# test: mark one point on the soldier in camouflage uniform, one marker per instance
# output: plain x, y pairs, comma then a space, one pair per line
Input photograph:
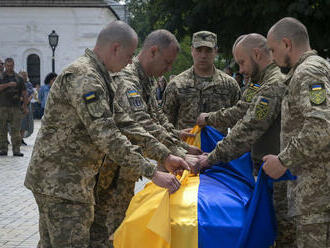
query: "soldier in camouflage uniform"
12, 89
305, 132
202, 88
77, 131
135, 99
135, 94
257, 119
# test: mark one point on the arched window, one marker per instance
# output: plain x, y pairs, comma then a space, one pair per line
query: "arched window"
33, 68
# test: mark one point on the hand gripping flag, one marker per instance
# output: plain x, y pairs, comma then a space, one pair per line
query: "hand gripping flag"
222, 208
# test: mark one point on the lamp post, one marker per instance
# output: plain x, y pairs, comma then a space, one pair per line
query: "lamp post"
53, 41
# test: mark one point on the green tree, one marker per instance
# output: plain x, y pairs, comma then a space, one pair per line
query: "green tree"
231, 18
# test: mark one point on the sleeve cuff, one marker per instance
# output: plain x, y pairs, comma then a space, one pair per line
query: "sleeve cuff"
211, 158
185, 145
286, 157
210, 119
178, 151
149, 170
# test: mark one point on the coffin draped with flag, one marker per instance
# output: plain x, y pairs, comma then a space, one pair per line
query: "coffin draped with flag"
223, 207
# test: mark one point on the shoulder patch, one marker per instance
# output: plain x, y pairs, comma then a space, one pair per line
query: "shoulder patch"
135, 100
317, 94
95, 107
262, 109
251, 91
90, 97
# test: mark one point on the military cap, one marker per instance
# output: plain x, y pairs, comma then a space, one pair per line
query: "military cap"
204, 38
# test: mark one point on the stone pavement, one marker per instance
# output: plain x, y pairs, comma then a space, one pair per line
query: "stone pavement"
18, 210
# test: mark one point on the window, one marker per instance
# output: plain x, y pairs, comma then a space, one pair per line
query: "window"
33, 68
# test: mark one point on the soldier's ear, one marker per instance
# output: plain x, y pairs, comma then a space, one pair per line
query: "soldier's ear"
114, 48
287, 43
153, 51
256, 54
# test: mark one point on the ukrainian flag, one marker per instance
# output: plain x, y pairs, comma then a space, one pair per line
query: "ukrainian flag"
222, 208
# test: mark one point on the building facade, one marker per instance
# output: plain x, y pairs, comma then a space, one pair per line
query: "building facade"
26, 24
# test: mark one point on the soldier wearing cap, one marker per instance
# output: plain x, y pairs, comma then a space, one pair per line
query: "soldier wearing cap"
202, 88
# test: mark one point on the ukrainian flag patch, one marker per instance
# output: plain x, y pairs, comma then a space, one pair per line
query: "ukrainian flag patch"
132, 93
262, 109
317, 93
90, 97
135, 100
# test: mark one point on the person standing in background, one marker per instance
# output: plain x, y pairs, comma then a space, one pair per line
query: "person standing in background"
12, 89
44, 90
27, 122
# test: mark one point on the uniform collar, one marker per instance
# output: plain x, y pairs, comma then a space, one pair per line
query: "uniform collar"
192, 78
100, 65
300, 61
144, 79
265, 72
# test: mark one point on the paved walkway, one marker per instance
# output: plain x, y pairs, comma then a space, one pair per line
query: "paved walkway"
18, 210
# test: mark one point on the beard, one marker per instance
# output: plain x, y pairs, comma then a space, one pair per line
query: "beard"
286, 68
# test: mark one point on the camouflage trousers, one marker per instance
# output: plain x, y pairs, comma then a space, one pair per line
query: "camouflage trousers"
114, 191
11, 116
286, 234
63, 223
313, 230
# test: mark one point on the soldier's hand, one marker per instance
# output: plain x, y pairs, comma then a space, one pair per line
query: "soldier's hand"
273, 166
185, 133
166, 180
201, 164
194, 150
12, 84
175, 164
192, 160
201, 119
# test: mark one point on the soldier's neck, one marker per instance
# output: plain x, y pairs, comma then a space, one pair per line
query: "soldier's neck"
204, 72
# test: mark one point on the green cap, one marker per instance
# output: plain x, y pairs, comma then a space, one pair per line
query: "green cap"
204, 38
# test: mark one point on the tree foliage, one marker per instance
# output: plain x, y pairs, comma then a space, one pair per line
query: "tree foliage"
230, 18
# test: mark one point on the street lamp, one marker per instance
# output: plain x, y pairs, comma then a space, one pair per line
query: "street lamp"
53, 41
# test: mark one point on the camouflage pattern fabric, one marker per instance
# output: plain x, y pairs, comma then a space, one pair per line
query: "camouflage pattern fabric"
227, 117
305, 135
135, 96
63, 223
204, 38
77, 131
286, 231
114, 190
313, 230
186, 96
12, 116
258, 130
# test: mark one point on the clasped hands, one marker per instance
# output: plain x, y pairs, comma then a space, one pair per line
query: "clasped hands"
176, 165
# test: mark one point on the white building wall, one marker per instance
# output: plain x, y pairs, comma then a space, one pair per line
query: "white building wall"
24, 31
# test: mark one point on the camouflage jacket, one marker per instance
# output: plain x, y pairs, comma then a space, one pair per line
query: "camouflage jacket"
259, 129
184, 98
77, 131
305, 135
135, 96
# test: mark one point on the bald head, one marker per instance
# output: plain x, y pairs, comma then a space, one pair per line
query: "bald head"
291, 29
116, 31
160, 38
252, 41
252, 55
237, 41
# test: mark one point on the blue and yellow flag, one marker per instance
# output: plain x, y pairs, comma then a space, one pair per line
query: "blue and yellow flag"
222, 208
